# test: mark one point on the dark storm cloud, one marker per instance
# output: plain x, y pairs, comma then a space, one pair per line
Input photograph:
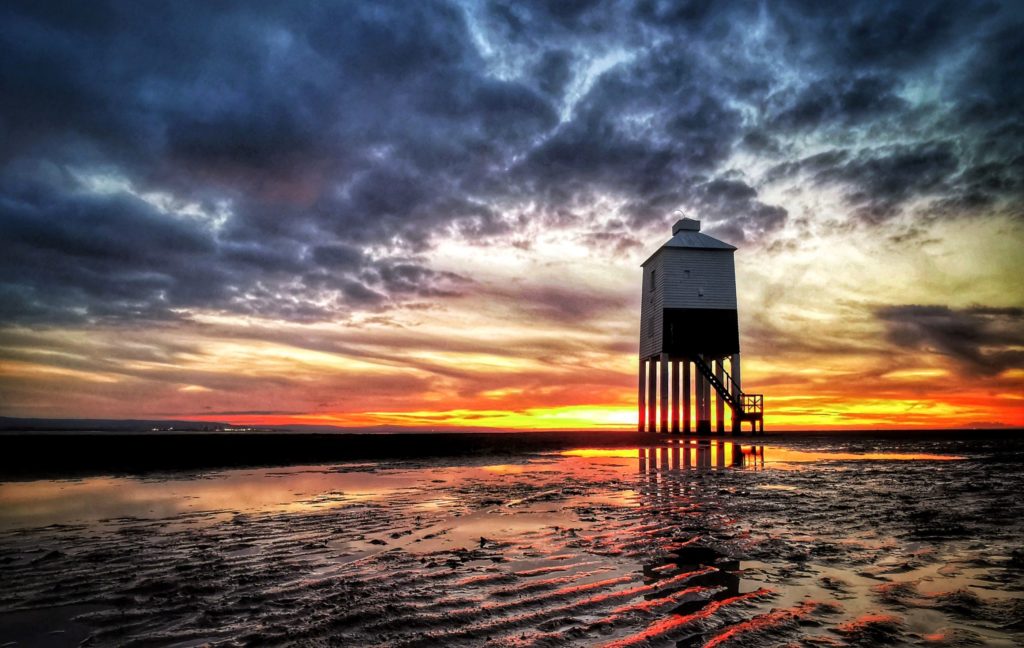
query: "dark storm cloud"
837, 103
292, 116
982, 340
734, 212
644, 131
881, 180
810, 165
79, 256
955, 152
878, 181
300, 160
989, 90
891, 36
554, 71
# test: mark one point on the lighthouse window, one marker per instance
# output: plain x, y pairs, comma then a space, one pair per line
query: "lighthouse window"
652, 280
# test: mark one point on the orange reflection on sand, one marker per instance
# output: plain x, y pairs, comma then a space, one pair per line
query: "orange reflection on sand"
589, 453
772, 619
663, 627
788, 455
704, 452
505, 469
283, 489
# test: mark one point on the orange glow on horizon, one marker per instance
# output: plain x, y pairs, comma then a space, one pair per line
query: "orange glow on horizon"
790, 415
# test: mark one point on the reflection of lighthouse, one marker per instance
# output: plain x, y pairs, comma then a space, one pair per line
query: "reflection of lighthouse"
700, 566
688, 318
699, 454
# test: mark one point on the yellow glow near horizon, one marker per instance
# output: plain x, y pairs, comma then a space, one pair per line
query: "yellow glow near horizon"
550, 418
913, 374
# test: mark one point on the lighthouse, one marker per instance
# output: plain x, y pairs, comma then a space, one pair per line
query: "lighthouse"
689, 339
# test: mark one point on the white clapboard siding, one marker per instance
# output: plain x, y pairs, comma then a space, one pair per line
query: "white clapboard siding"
651, 307
697, 278
701, 276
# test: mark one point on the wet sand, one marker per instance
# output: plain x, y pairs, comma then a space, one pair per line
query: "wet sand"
808, 541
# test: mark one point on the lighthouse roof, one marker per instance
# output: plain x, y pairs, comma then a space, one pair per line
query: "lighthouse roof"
686, 234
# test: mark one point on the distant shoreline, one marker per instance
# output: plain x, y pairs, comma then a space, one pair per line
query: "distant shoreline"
35, 455
16, 425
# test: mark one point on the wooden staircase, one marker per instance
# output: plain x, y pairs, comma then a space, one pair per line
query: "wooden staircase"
745, 407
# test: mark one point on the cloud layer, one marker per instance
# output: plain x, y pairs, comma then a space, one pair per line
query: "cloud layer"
314, 164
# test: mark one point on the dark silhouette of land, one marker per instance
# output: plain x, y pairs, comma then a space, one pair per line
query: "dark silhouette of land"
31, 455
63, 454
9, 423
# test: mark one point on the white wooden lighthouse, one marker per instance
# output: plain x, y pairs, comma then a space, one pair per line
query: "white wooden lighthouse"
689, 326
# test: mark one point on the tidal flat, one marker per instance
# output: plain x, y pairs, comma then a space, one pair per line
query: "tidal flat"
818, 541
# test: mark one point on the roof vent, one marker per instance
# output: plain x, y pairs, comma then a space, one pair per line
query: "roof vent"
686, 225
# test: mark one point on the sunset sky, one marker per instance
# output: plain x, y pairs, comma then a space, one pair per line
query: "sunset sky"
432, 214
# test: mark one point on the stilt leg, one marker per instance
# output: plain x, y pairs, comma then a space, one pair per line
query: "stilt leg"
703, 406
663, 406
687, 413
652, 394
734, 370
707, 407
737, 394
698, 401
719, 403
675, 397
641, 398
699, 394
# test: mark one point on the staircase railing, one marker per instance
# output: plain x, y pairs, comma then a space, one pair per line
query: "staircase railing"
753, 403
746, 404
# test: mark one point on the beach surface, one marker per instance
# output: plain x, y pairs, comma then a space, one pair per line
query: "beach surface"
815, 540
